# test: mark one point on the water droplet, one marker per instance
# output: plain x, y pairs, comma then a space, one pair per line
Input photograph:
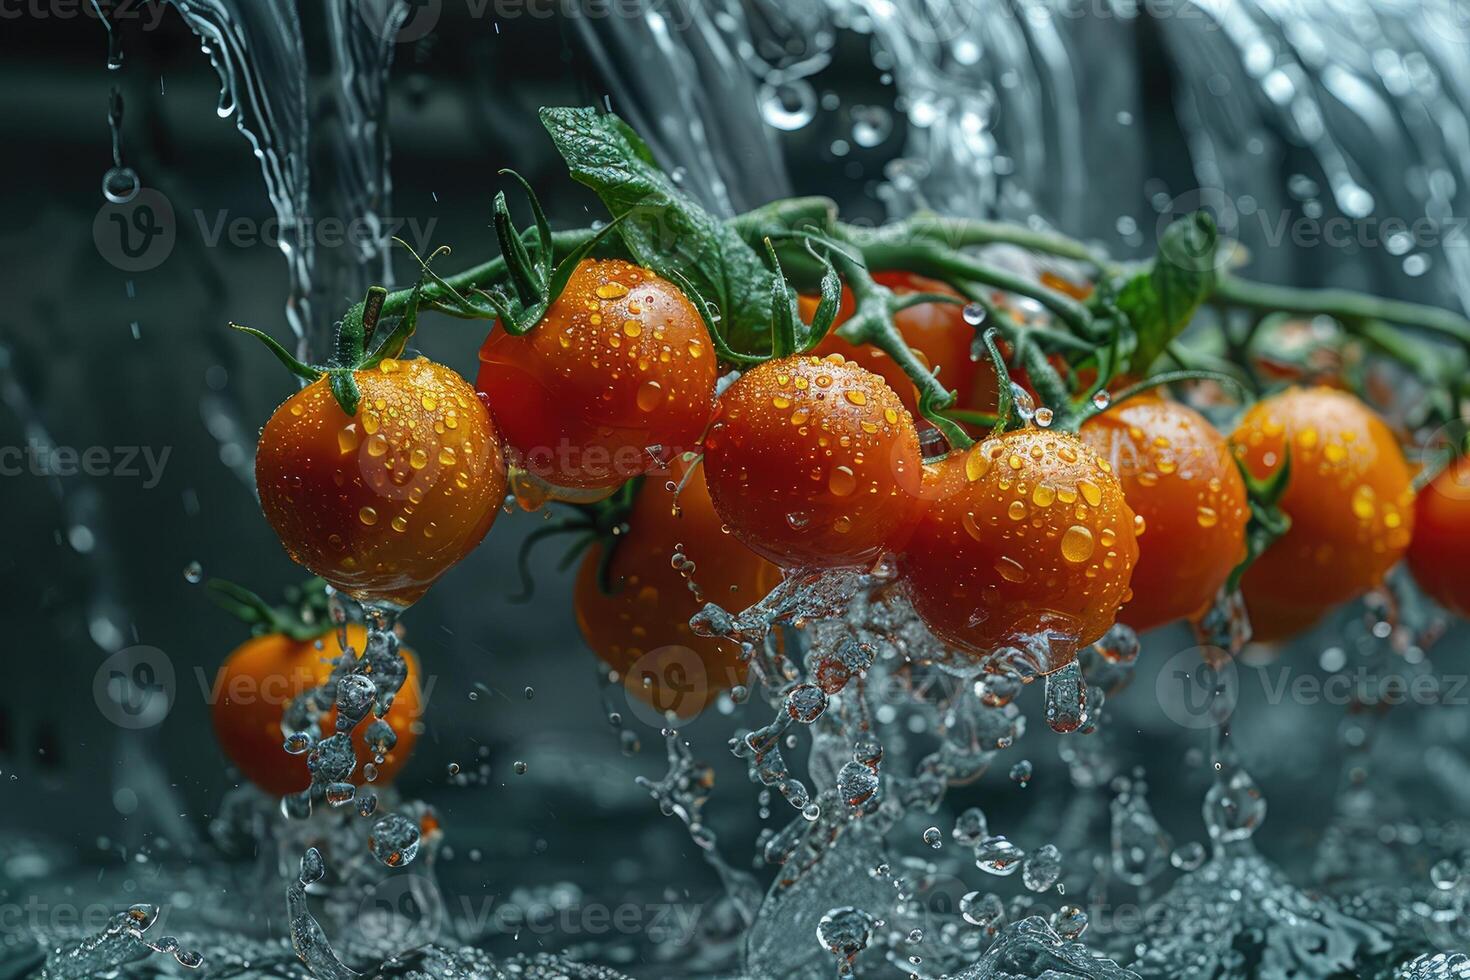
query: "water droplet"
368, 516
193, 573
650, 394
842, 482
1077, 544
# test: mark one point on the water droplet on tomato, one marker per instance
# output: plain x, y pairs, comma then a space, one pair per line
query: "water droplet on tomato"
1077, 544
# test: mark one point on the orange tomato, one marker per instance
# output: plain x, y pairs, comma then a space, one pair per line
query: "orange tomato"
1179, 477
1439, 553
813, 462
255, 685
1350, 499
1025, 536
382, 503
620, 365
641, 627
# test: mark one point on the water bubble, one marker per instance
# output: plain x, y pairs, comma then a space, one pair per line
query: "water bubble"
530, 693
1042, 868
394, 840
871, 125
856, 784
805, 703
1070, 922
986, 911
974, 314
998, 856
1021, 772
970, 827
1445, 874
1101, 399
788, 105
1188, 857
193, 573
1044, 416
120, 185
520, 768
934, 838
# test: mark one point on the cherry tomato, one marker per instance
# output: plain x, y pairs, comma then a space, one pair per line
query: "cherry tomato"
813, 462
641, 628
1439, 553
263, 675
936, 332
616, 379
1026, 536
1350, 499
382, 503
1179, 477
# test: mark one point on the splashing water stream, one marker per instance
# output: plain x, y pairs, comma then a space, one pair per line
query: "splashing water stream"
1004, 111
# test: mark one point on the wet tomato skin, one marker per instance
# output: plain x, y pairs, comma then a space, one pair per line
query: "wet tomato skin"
1350, 498
641, 628
813, 462
620, 363
1178, 475
1024, 534
1439, 552
258, 681
936, 332
382, 503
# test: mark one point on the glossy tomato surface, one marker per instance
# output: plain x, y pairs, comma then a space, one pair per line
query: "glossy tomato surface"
1350, 499
1179, 477
1026, 541
615, 381
380, 504
813, 462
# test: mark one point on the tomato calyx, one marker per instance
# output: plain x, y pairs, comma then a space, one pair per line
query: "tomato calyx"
358, 347
305, 616
1267, 521
535, 281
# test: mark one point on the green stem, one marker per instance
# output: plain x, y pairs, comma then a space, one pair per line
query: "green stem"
1349, 307
926, 258
962, 232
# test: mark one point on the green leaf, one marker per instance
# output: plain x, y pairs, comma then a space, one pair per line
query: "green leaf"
1161, 299
665, 229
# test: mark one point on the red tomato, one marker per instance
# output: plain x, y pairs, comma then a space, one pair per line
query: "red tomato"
616, 379
641, 628
1350, 499
1025, 536
1439, 553
382, 503
936, 332
813, 462
1179, 477
263, 675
